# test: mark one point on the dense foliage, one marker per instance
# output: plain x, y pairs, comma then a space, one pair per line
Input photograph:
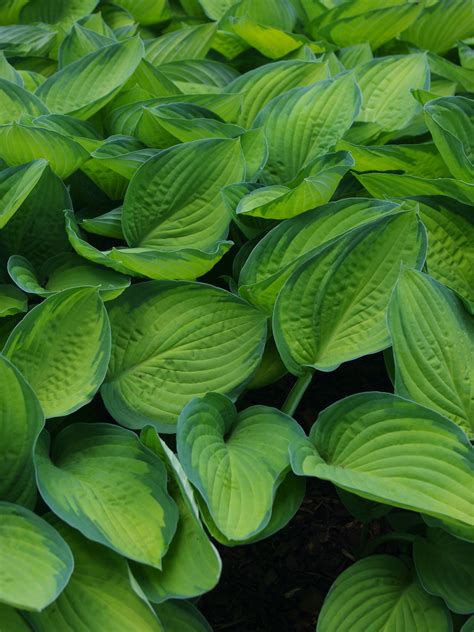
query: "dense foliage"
197, 198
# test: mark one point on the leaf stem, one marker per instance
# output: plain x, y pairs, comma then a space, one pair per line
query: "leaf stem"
388, 537
296, 393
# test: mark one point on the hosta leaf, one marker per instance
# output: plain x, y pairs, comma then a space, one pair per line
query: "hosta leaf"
181, 616
313, 186
108, 224
398, 186
79, 42
359, 21
16, 183
290, 243
451, 123
445, 68
21, 420
192, 565
36, 563
445, 566
66, 271
174, 198
10, 11
103, 482
433, 342
62, 347
381, 593
152, 80
261, 85
147, 11
153, 375
422, 160
15, 101
206, 72
36, 230
100, 594
23, 143
12, 301
18, 40
305, 123
278, 13
8, 72
386, 83
216, 445
385, 448
450, 257
355, 55
270, 369
216, 9
12, 620
268, 40
441, 25
65, 12
333, 307
168, 265
188, 43
85, 86
255, 150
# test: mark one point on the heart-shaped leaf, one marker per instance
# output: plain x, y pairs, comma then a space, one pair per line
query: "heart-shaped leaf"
226, 457
102, 481
433, 344
333, 307
151, 378
35, 562
62, 347
381, 593
385, 448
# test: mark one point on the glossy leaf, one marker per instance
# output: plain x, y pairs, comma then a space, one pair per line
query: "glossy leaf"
102, 481
36, 563
433, 341
62, 347
12, 301
153, 375
385, 448
181, 616
216, 445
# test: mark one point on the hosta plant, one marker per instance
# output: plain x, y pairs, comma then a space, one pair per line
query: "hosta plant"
197, 199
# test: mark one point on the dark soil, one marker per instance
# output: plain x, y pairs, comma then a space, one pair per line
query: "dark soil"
279, 584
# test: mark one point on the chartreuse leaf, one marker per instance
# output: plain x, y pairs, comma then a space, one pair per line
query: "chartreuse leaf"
400, 186
206, 73
441, 25
306, 122
66, 12
147, 11
293, 241
66, 271
35, 562
103, 482
333, 307
16, 183
278, 13
385, 448
312, 187
386, 83
433, 343
355, 55
108, 224
260, 85
181, 616
450, 257
174, 199
451, 123
464, 77
12, 300
216, 9
15, 102
20, 424
62, 347
422, 159
216, 445
37, 228
160, 359
85, 86
445, 566
188, 43
370, 21
268, 40
192, 565
381, 592
100, 594
20, 144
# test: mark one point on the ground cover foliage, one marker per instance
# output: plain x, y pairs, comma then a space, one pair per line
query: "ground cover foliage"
198, 198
